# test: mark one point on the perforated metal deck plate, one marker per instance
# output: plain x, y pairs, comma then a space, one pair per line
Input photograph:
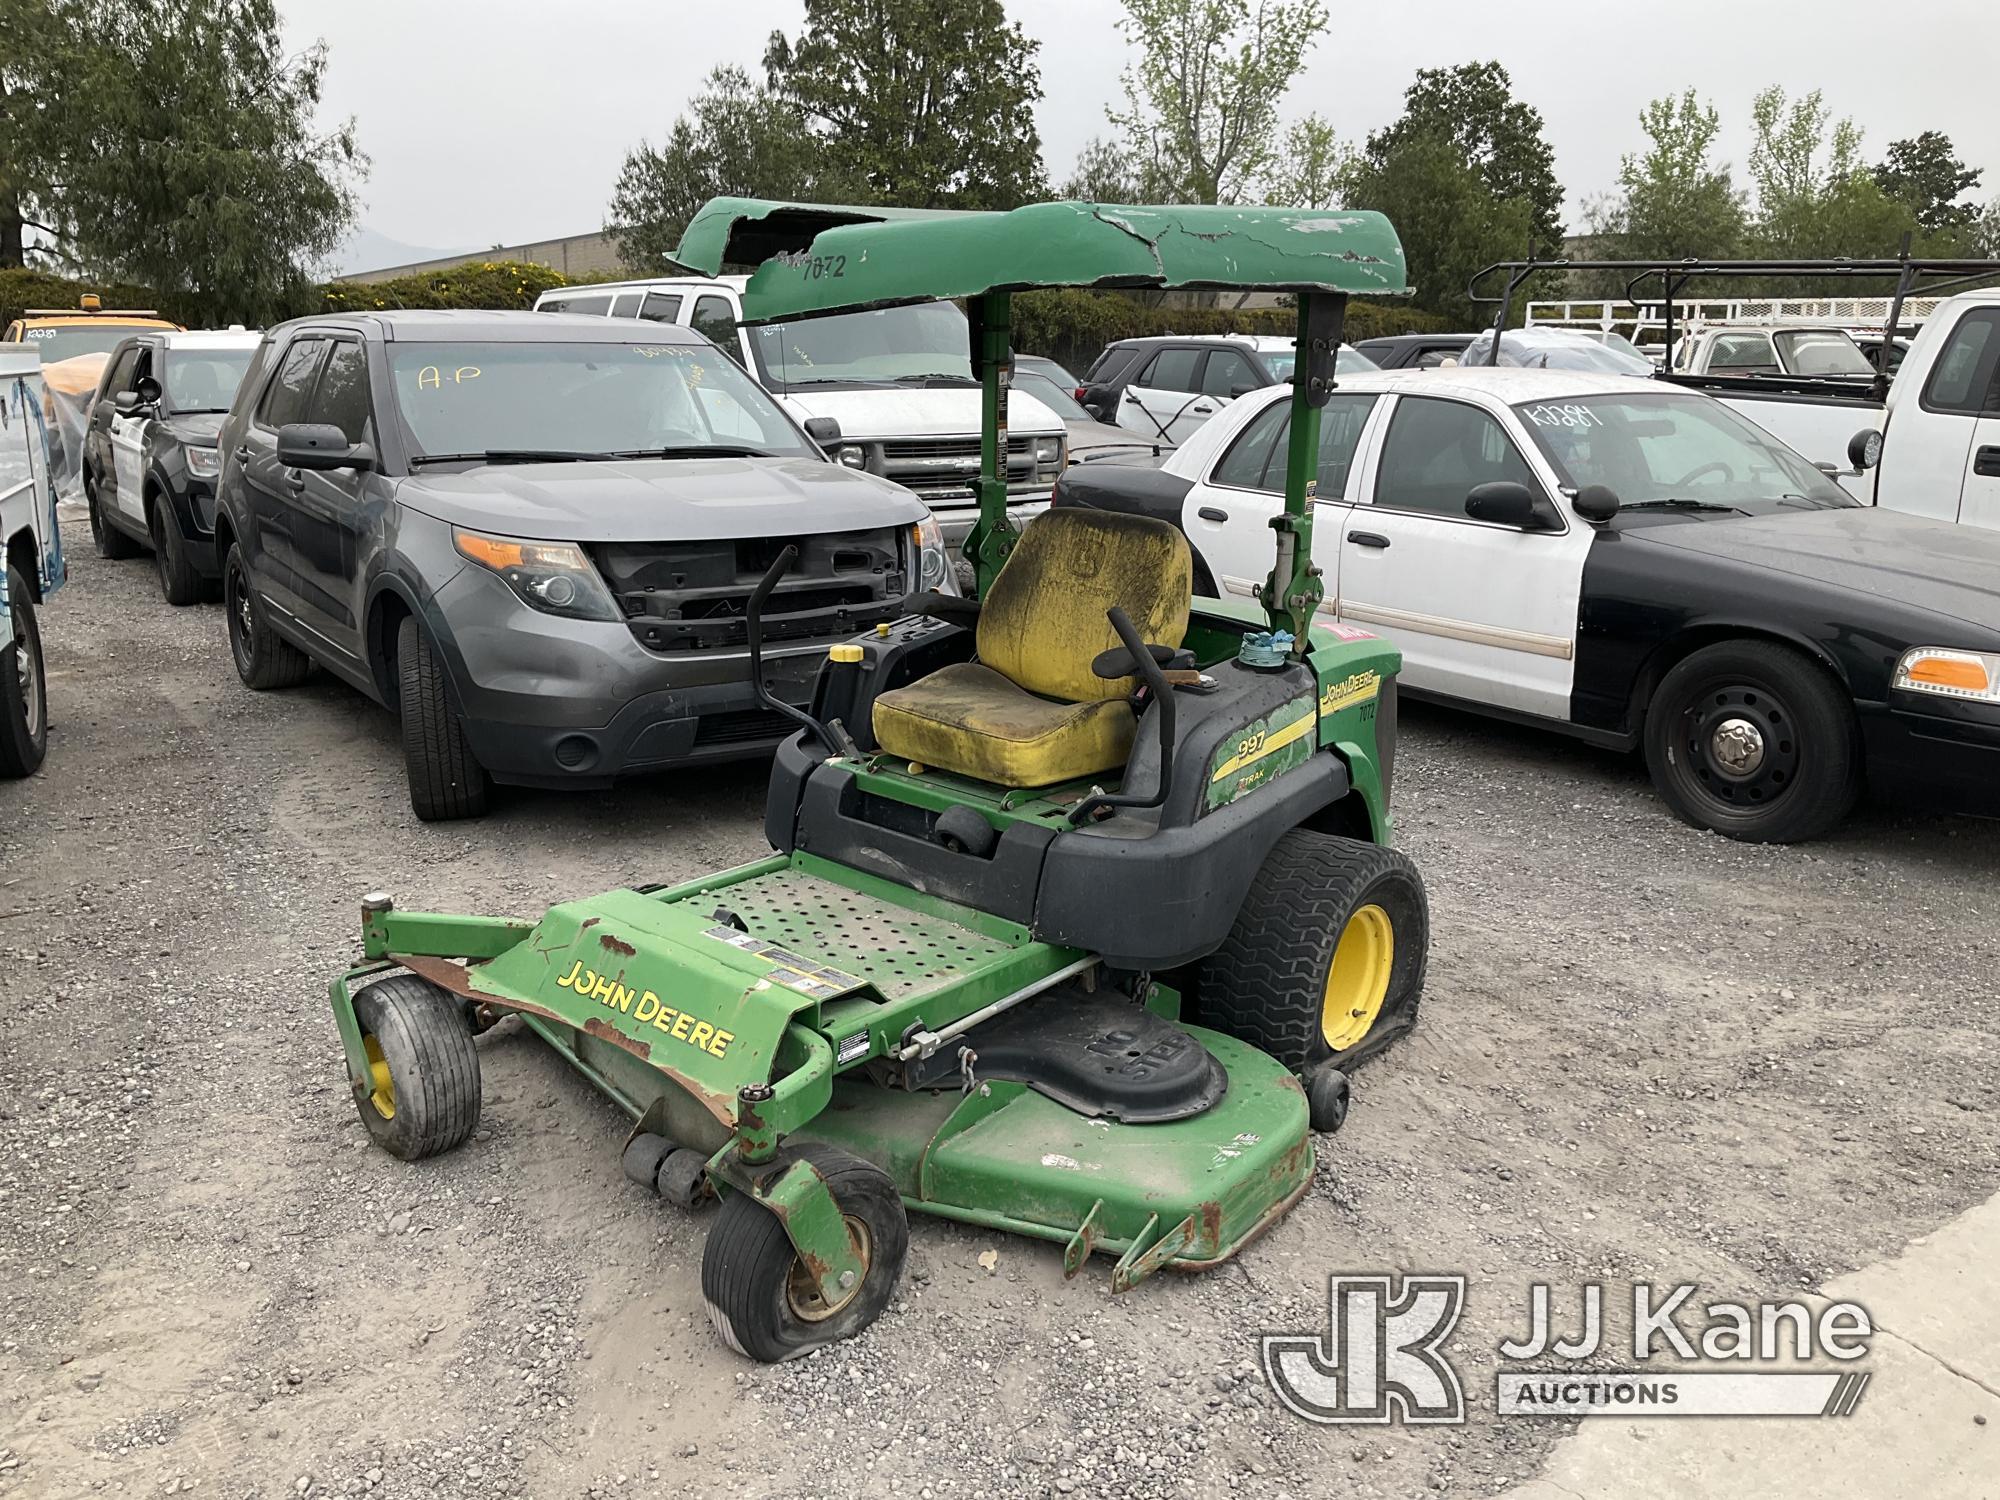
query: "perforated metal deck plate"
898, 950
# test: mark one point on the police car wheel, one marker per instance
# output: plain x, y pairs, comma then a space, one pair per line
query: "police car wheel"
760, 1298
421, 1095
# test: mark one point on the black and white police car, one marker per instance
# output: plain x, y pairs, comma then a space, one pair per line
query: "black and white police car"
1632, 563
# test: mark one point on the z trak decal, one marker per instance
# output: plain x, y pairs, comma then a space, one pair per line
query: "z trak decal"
1261, 750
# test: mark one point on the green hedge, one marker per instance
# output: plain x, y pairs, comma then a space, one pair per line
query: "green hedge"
479, 283
21, 290
1072, 327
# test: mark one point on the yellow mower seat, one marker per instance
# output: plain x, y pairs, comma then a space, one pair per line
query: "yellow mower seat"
1030, 712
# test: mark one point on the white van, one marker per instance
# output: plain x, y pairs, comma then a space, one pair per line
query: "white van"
897, 380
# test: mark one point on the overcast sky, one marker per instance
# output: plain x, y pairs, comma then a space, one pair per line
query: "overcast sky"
487, 124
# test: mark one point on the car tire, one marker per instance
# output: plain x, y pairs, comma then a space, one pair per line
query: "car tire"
180, 584
1324, 966
24, 694
423, 1068
1755, 741
109, 540
264, 659
445, 780
749, 1268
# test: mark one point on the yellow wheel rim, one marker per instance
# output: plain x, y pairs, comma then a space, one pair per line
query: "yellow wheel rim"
383, 1094
803, 1295
1357, 982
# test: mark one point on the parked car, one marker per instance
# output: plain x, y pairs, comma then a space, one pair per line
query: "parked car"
898, 381
31, 560
536, 535
1416, 351
1558, 349
70, 341
1631, 563
1090, 441
149, 454
1766, 349
1165, 387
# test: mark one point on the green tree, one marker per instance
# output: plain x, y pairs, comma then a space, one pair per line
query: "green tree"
1672, 199
174, 146
1201, 106
1925, 174
1310, 167
1815, 198
922, 103
1451, 221
1500, 137
1103, 173
737, 138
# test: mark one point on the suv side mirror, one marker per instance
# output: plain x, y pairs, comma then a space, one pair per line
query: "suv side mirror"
1241, 390
823, 430
1595, 503
1505, 502
1864, 449
321, 445
126, 403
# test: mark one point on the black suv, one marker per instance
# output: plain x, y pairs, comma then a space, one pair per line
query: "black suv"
149, 455
535, 534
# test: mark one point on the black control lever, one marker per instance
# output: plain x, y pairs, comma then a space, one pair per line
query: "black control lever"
1163, 696
753, 625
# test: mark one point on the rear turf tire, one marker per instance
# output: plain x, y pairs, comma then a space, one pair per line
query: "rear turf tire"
24, 694
750, 1272
1275, 983
445, 781
180, 584
108, 539
424, 1070
1795, 719
264, 659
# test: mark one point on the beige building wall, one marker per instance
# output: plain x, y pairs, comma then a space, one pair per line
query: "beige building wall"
574, 255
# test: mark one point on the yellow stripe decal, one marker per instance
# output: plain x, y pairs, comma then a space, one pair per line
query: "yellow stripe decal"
1277, 739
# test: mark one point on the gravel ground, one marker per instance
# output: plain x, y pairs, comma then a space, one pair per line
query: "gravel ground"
1646, 1053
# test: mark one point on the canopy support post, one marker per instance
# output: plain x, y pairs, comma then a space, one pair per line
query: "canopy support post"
993, 536
1291, 595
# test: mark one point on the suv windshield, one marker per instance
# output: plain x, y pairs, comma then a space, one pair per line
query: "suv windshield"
1823, 352
590, 400
1666, 450
1055, 397
204, 379
921, 344
1346, 361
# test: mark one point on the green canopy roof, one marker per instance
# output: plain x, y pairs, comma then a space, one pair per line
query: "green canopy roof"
825, 258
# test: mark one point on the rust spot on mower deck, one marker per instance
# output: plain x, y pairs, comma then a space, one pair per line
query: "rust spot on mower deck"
618, 945
604, 1031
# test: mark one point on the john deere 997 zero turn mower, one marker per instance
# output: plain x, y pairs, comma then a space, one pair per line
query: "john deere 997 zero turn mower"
1080, 905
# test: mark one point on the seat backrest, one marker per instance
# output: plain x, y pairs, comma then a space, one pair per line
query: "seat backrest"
1043, 621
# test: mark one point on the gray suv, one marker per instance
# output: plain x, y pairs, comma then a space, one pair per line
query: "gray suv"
534, 537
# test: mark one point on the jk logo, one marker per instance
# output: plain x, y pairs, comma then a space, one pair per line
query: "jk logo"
1378, 1360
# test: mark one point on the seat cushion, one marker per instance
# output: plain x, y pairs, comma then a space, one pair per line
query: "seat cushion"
969, 719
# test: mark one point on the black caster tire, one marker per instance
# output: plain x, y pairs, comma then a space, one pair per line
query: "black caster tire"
423, 1068
758, 1296
642, 1158
1325, 964
963, 831
446, 782
110, 542
264, 659
1754, 741
180, 584
24, 692
683, 1178
1327, 1098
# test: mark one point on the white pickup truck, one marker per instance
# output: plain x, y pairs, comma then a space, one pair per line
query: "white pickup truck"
31, 562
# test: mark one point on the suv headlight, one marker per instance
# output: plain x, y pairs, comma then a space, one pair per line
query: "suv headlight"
1048, 457
554, 577
1949, 673
203, 463
934, 570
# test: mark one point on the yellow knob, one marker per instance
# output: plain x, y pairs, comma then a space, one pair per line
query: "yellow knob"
846, 651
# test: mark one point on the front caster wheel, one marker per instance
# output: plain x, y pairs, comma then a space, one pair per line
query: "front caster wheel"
760, 1297
423, 1071
1327, 1096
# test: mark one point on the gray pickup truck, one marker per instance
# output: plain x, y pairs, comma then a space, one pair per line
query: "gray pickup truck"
536, 535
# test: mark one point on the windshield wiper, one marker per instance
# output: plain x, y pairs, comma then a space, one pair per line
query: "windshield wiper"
696, 450
935, 379
512, 456
1681, 502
